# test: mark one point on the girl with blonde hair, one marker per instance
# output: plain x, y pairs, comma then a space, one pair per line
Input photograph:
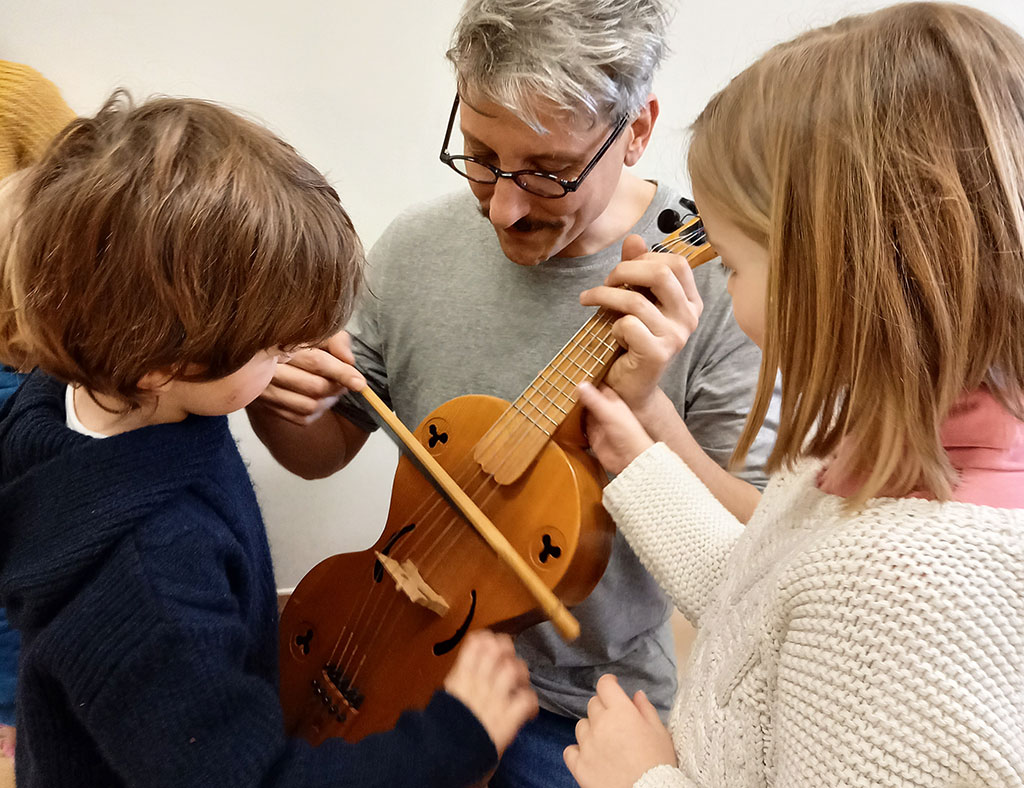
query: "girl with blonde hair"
864, 185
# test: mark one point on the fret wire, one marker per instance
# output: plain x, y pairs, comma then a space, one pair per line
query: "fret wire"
551, 383
535, 424
572, 379
565, 394
507, 424
510, 425
529, 398
540, 391
575, 363
584, 348
590, 371
592, 355
554, 367
533, 405
525, 397
557, 385
604, 354
537, 388
577, 349
577, 378
564, 356
601, 341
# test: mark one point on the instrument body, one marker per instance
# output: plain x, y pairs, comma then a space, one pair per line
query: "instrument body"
353, 641
368, 635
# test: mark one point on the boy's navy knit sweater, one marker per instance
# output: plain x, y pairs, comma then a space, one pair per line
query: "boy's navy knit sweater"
138, 571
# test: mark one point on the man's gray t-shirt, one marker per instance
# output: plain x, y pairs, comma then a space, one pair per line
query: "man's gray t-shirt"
447, 314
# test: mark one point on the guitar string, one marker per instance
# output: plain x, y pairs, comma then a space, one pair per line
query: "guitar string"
587, 350
432, 553
455, 516
510, 419
599, 360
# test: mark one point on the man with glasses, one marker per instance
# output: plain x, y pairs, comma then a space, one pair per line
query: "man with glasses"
476, 292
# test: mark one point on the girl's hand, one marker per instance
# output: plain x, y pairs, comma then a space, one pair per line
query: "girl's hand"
654, 327
494, 684
619, 741
616, 436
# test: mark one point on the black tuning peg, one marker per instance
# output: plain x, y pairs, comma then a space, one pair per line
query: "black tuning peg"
669, 221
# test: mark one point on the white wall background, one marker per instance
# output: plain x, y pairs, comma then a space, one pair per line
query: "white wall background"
361, 88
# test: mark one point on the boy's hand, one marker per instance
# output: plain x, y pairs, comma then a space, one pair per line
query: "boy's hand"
619, 741
616, 436
651, 331
494, 684
312, 381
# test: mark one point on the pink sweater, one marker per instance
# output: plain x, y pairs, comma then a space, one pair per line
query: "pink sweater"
986, 446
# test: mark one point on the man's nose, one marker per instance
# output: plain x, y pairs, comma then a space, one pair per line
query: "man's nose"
508, 203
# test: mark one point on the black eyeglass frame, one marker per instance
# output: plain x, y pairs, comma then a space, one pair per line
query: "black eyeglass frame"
567, 185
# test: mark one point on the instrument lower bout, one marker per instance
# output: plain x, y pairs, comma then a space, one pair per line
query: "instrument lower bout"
367, 635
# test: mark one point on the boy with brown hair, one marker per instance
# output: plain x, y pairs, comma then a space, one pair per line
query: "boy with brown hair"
161, 259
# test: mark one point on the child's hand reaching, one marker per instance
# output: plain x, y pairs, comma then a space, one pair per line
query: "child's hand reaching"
494, 684
619, 741
616, 436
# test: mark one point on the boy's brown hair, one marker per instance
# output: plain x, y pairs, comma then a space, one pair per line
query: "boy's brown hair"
167, 235
881, 163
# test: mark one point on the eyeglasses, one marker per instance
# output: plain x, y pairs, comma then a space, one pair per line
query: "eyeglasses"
543, 184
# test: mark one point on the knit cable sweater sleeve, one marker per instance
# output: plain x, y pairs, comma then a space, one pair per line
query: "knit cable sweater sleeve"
677, 528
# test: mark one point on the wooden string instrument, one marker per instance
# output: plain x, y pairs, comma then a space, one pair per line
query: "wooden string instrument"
370, 634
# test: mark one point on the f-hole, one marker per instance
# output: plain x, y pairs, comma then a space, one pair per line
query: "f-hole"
378, 567
442, 648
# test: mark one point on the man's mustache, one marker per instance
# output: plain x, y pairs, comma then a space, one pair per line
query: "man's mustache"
523, 225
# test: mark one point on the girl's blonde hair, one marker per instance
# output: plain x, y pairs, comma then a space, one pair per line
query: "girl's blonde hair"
881, 162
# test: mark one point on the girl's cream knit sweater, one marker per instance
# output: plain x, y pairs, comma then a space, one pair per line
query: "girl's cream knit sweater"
881, 648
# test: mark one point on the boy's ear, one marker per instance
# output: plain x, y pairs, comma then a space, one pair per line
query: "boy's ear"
160, 380
156, 382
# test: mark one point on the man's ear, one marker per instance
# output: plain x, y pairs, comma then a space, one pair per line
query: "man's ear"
641, 128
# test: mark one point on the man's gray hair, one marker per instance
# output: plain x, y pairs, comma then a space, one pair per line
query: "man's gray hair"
593, 59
